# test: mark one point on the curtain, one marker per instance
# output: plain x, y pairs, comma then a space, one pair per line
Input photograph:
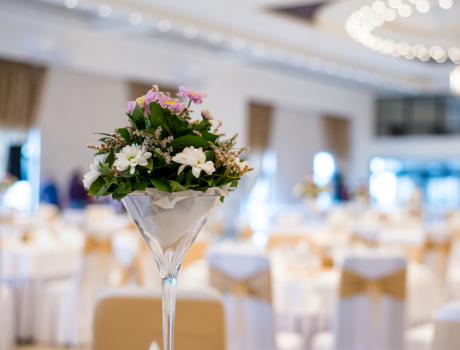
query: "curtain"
337, 132
21, 87
260, 123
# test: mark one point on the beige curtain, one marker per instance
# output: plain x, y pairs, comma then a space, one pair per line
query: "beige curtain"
260, 123
337, 131
21, 87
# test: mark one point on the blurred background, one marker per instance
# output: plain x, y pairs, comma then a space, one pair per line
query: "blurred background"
351, 109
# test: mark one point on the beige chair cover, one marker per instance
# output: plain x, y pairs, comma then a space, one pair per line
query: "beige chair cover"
133, 322
447, 328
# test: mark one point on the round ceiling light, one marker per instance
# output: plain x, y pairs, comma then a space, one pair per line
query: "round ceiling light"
455, 81
361, 24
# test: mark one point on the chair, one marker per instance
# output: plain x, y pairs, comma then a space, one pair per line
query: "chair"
7, 333
243, 278
370, 310
133, 320
67, 306
447, 328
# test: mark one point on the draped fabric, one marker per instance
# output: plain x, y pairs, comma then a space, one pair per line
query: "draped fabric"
260, 124
21, 87
337, 132
133, 322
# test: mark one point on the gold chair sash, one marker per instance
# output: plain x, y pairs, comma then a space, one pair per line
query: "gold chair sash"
277, 241
94, 245
196, 253
446, 336
442, 249
135, 271
392, 285
256, 286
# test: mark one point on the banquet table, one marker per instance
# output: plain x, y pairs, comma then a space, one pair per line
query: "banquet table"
27, 266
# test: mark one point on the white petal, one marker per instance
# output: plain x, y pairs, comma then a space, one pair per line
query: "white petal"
181, 169
196, 171
133, 169
208, 167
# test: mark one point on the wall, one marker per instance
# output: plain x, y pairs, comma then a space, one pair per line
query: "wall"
74, 107
294, 145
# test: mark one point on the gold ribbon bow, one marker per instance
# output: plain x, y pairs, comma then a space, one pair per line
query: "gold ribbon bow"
442, 249
392, 285
256, 286
94, 245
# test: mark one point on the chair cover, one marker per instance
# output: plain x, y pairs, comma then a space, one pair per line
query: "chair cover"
132, 320
7, 333
447, 328
370, 310
248, 308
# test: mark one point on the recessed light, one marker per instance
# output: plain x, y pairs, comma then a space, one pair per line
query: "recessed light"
164, 25
71, 4
105, 10
215, 38
190, 32
136, 18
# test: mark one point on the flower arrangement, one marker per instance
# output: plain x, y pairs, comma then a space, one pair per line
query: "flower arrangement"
308, 189
166, 148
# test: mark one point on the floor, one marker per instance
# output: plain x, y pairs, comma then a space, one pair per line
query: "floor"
42, 348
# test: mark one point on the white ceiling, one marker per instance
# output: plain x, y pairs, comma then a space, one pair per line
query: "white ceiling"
248, 28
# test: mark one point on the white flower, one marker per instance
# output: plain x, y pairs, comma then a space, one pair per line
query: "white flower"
130, 157
93, 172
196, 158
242, 165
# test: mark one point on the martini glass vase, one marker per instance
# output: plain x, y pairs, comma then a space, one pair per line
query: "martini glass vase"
170, 223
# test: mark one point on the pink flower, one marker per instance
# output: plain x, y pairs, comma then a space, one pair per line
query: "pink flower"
194, 96
131, 106
152, 96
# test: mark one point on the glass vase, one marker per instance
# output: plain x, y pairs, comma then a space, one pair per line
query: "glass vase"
170, 223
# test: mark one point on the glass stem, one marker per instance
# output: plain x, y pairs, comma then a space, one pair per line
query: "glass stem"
169, 310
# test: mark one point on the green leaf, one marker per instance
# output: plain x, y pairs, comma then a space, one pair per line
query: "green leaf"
208, 136
176, 186
137, 117
150, 164
158, 118
188, 141
104, 189
140, 185
110, 158
161, 185
125, 134
95, 186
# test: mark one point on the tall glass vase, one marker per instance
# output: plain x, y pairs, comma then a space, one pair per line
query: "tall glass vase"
170, 223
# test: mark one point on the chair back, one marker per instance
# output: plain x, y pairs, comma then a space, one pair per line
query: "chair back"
133, 320
447, 328
370, 308
243, 278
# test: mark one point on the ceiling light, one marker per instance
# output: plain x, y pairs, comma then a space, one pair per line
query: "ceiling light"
190, 32
105, 10
238, 44
164, 25
135, 18
455, 81
446, 4
215, 38
71, 4
361, 25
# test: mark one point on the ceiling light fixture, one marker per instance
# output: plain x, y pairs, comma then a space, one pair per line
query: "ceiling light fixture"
164, 25
71, 4
455, 82
105, 10
135, 18
361, 24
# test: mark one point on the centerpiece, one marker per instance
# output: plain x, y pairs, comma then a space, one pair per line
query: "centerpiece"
309, 191
170, 169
